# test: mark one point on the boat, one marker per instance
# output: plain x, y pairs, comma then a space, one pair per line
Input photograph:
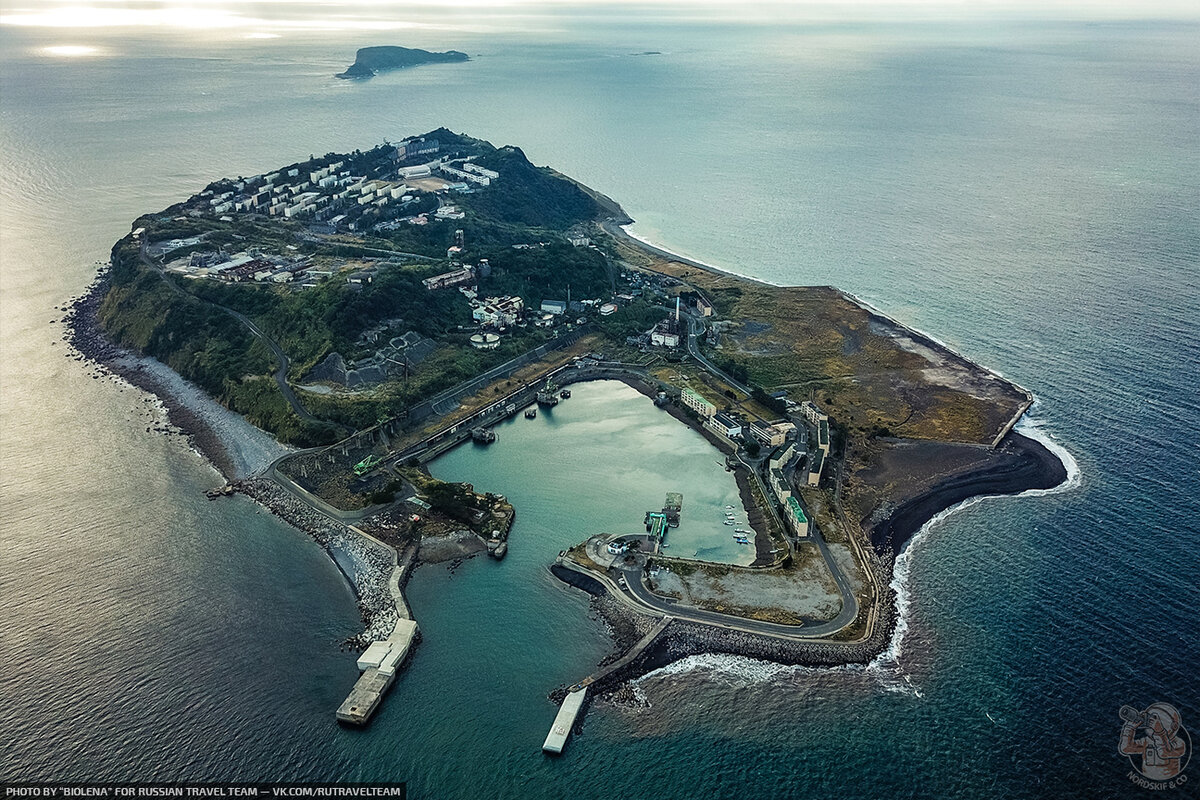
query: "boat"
728, 522
728, 508
565, 394
743, 541
530, 412
742, 531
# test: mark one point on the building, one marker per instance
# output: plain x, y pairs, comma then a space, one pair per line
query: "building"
697, 403
607, 309
769, 435
811, 413
412, 148
781, 460
456, 277
420, 171
485, 341
779, 486
815, 466
793, 514
554, 306
579, 241
469, 177
478, 170
661, 337
499, 311
703, 307
725, 425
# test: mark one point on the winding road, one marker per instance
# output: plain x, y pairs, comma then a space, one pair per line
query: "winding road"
285, 388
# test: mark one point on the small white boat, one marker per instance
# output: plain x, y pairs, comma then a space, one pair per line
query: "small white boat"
728, 522
729, 508
741, 530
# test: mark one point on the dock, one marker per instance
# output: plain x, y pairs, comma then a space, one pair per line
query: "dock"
568, 712
556, 740
380, 663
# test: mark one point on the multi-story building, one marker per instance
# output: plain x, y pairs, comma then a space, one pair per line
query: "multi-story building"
795, 518
725, 425
769, 435
695, 402
454, 278
815, 466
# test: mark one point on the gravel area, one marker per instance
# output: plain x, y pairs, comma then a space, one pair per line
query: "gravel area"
808, 591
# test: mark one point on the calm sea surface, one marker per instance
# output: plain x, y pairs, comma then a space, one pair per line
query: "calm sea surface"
1026, 192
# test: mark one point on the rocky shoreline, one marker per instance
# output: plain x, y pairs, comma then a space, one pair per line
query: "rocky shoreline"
369, 564
1021, 464
232, 445
238, 450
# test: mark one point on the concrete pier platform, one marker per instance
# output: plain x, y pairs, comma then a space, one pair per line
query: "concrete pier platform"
556, 740
380, 664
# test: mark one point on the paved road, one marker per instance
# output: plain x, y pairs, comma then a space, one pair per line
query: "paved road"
640, 599
285, 388
695, 327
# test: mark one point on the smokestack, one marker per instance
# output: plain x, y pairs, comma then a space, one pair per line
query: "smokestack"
677, 308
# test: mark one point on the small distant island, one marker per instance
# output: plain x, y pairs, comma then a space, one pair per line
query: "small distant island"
370, 60
375, 309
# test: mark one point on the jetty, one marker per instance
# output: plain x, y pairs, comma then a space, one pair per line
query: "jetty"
379, 664
382, 659
572, 704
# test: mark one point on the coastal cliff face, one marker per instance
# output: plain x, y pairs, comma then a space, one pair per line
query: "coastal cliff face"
370, 60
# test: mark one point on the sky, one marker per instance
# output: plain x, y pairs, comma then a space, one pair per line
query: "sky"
390, 14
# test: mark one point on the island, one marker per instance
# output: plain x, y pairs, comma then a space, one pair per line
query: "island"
370, 60
373, 310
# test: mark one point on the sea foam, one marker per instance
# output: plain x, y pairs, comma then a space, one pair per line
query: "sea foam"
885, 669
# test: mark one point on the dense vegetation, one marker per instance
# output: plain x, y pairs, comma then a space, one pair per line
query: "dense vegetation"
184, 322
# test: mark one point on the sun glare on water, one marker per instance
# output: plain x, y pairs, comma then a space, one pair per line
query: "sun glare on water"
71, 50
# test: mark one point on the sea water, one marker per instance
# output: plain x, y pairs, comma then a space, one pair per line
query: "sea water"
1023, 189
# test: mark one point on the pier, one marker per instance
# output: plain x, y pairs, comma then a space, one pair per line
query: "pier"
556, 740
381, 661
572, 704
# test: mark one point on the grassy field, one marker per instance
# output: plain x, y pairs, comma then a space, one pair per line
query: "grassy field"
869, 374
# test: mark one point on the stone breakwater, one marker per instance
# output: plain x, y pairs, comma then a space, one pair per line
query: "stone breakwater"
366, 564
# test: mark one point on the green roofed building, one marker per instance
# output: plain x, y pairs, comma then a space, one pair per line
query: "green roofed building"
697, 403
795, 517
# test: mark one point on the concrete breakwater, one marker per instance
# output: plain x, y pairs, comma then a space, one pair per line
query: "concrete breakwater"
378, 572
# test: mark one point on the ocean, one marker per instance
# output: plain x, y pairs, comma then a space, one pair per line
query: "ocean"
1021, 187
